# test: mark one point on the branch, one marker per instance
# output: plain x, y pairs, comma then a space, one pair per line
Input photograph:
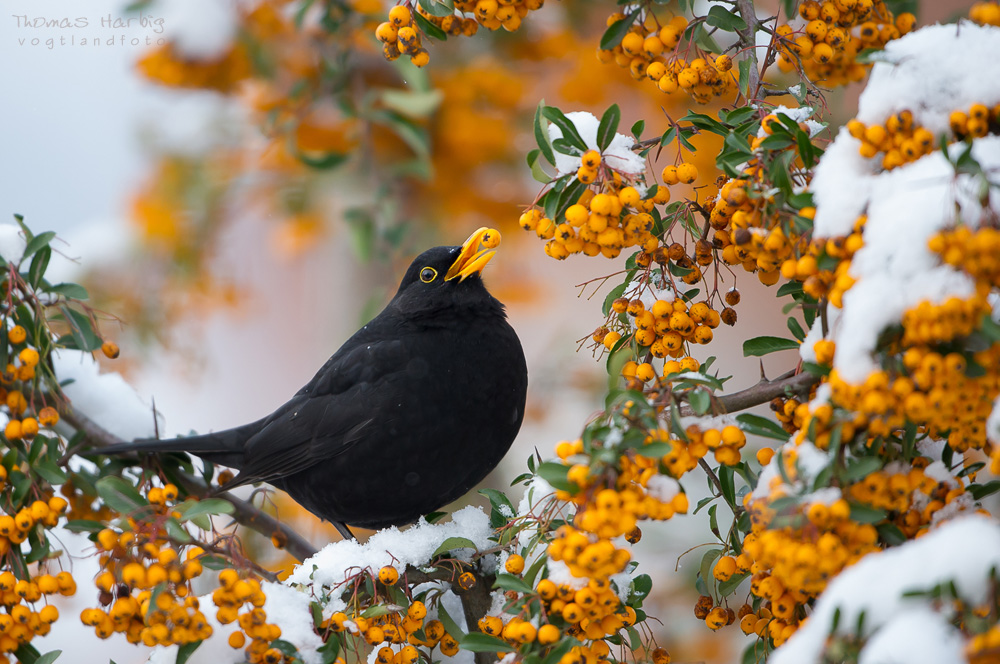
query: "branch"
762, 392
245, 513
476, 601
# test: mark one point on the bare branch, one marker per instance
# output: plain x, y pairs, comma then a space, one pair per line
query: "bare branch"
762, 392
245, 513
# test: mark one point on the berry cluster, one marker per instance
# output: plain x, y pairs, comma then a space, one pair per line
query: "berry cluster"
24, 619
654, 55
145, 585
242, 601
899, 141
835, 31
604, 222
402, 35
590, 612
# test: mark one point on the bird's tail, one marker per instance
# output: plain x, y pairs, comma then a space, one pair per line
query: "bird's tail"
222, 447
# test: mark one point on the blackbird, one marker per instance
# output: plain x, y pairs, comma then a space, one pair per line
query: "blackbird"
415, 409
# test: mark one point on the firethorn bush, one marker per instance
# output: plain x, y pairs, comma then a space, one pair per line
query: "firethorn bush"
851, 499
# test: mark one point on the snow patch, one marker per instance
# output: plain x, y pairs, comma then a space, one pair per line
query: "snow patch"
391, 547
618, 155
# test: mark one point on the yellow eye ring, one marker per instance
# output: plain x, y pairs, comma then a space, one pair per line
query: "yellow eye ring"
428, 274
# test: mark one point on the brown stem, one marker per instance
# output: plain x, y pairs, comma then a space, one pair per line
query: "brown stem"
245, 513
762, 392
476, 601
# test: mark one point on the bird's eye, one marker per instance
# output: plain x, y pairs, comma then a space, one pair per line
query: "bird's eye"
428, 274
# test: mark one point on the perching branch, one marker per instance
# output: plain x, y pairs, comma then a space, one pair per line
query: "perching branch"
762, 392
245, 513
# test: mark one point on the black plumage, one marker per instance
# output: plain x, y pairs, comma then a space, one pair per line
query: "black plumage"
415, 409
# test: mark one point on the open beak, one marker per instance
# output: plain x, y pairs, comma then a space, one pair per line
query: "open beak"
471, 260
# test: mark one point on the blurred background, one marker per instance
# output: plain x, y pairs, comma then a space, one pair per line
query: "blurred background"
240, 192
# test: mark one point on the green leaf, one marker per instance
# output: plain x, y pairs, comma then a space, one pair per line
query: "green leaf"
727, 482
706, 122
324, 162
429, 28
555, 474
700, 401
713, 520
36, 243
82, 329
866, 514
990, 328
48, 469
411, 103
84, 526
642, 585
796, 329
479, 642
862, 468
890, 534
535, 164
21, 483
980, 491
38, 266
377, 610
501, 510
777, 141
615, 293
608, 126
561, 649
450, 625
74, 291
563, 146
27, 654
119, 495
185, 651
707, 560
761, 426
207, 506
744, 77
439, 9
453, 543
638, 127
760, 346
542, 136
729, 585
511, 582
176, 531
330, 651
568, 129
617, 31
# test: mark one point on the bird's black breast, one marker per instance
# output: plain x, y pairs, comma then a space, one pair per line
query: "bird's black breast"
428, 410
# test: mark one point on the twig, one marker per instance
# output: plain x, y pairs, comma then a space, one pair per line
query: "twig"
245, 513
762, 392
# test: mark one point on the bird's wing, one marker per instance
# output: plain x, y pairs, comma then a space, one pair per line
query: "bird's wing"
329, 415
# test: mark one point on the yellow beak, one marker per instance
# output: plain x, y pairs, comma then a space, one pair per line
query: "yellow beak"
471, 260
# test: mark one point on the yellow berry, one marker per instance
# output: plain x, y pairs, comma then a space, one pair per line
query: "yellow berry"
388, 575
514, 564
687, 173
